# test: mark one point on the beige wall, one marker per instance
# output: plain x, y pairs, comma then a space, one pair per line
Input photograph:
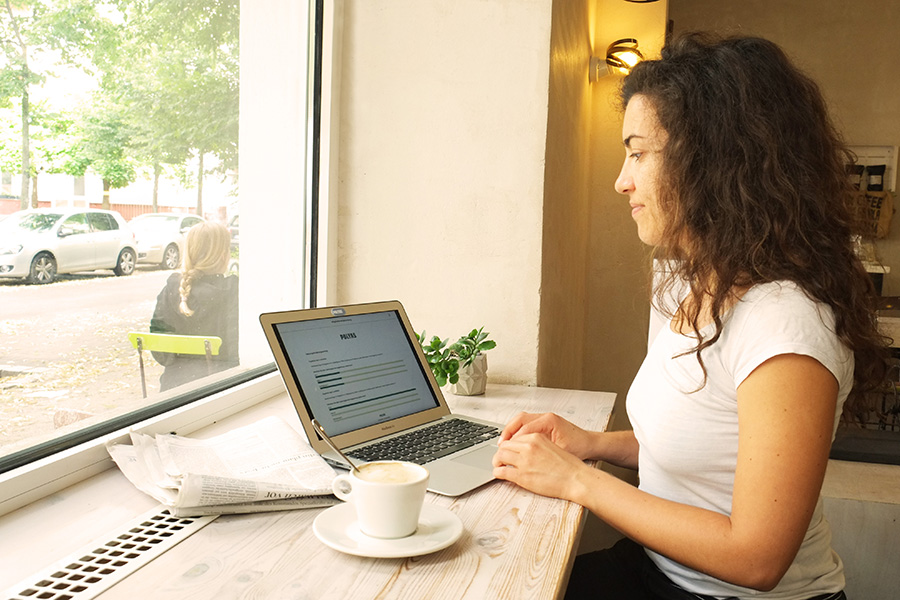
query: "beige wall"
852, 49
566, 199
443, 120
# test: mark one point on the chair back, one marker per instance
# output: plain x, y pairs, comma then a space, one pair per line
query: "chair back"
175, 344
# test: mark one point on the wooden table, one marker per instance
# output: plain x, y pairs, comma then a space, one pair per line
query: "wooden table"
515, 545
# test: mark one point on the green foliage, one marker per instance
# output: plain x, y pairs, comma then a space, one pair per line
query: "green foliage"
469, 346
101, 140
179, 80
446, 361
168, 74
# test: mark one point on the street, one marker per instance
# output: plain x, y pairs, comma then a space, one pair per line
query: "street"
63, 346
78, 291
39, 314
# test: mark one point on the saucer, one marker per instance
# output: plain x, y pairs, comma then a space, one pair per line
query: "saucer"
338, 528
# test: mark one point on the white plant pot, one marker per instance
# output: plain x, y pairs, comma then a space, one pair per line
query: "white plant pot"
472, 378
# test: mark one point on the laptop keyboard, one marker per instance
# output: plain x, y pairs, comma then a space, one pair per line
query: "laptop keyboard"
429, 443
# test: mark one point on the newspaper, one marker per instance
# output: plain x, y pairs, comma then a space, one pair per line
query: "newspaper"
261, 467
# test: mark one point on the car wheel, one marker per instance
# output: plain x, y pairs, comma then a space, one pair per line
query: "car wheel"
43, 268
171, 257
125, 266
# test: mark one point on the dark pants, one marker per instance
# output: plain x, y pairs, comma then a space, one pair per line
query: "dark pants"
625, 572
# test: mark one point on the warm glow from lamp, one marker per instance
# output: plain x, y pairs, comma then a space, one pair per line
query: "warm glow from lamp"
621, 56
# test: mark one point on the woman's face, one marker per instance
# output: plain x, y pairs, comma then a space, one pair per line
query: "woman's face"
644, 140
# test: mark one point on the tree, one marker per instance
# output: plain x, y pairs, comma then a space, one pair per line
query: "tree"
178, 87
168, 74
101, 141
16, 78
36, 35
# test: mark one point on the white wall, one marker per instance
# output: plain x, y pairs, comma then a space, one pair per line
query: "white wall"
443, 115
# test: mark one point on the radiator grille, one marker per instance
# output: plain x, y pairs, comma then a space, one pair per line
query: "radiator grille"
97, 567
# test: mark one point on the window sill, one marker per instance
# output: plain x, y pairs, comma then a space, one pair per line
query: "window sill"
56, 508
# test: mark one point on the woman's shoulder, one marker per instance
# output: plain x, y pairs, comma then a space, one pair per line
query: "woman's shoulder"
781, 318
785, 299
784, 304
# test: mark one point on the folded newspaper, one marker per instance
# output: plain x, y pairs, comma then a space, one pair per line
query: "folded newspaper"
261, 467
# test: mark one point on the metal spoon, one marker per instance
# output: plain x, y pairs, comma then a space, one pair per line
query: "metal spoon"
328, 441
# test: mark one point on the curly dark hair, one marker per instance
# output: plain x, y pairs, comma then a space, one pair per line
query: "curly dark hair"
754, 175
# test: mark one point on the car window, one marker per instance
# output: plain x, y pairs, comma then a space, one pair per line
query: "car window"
189, 222
103, 222
76, 224
37, 221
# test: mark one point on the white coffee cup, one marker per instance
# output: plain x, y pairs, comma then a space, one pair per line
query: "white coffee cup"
387, 495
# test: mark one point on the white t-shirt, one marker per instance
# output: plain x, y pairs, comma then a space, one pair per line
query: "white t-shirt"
688, 441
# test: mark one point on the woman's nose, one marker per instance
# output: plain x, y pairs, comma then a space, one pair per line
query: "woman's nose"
624, 182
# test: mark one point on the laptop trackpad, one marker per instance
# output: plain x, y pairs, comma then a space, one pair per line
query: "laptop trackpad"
480, 458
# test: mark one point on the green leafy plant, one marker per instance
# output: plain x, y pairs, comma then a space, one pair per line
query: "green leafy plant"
446, 361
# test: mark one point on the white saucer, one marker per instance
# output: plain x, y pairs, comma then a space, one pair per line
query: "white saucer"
337, 528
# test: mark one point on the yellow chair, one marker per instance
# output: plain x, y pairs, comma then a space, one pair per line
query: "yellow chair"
175, 344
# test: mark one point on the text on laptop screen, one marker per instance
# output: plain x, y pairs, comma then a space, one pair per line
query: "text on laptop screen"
355, 371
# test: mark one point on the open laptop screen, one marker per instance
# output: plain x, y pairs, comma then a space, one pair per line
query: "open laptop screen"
354, 371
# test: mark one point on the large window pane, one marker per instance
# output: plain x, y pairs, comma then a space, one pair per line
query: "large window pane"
135, 104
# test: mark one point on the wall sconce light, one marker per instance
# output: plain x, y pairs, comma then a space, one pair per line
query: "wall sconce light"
621, 56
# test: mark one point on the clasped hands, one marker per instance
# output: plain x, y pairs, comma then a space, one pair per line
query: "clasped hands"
542, 453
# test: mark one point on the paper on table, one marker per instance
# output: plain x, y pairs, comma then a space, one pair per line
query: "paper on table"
263, 462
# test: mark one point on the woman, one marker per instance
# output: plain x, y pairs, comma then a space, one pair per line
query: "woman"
736, 176
199, 300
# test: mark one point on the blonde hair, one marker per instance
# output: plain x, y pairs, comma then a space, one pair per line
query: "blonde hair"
207, 248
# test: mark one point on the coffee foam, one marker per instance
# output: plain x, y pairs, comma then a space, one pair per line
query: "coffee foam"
390, 472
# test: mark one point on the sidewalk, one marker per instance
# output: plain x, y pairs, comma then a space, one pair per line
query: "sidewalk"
94, 370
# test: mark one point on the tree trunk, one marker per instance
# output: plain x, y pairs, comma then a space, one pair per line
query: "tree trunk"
34, 192
200, 186
157, 170
26, 145
105, 203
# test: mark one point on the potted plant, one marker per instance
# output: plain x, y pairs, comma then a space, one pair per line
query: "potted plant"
462, 364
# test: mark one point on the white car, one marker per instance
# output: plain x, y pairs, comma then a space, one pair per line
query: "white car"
39, 244
160, 237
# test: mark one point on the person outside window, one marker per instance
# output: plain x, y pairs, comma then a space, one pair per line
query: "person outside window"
737, 178
199, 300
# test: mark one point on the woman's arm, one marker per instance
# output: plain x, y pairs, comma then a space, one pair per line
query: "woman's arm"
786, 413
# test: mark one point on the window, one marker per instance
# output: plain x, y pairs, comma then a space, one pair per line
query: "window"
102, 222
75, 225
68, 372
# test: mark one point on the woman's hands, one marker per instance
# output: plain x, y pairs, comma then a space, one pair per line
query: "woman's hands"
542, 453
535, 463
562, 433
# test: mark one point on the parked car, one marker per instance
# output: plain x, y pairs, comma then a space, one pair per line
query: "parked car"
160, 237
39, 244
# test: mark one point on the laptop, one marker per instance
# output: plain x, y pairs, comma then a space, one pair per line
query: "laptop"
360, 372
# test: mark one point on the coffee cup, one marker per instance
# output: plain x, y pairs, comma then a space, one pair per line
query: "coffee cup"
387, 496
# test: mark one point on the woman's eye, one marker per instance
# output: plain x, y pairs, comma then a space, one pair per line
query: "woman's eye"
635, 155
